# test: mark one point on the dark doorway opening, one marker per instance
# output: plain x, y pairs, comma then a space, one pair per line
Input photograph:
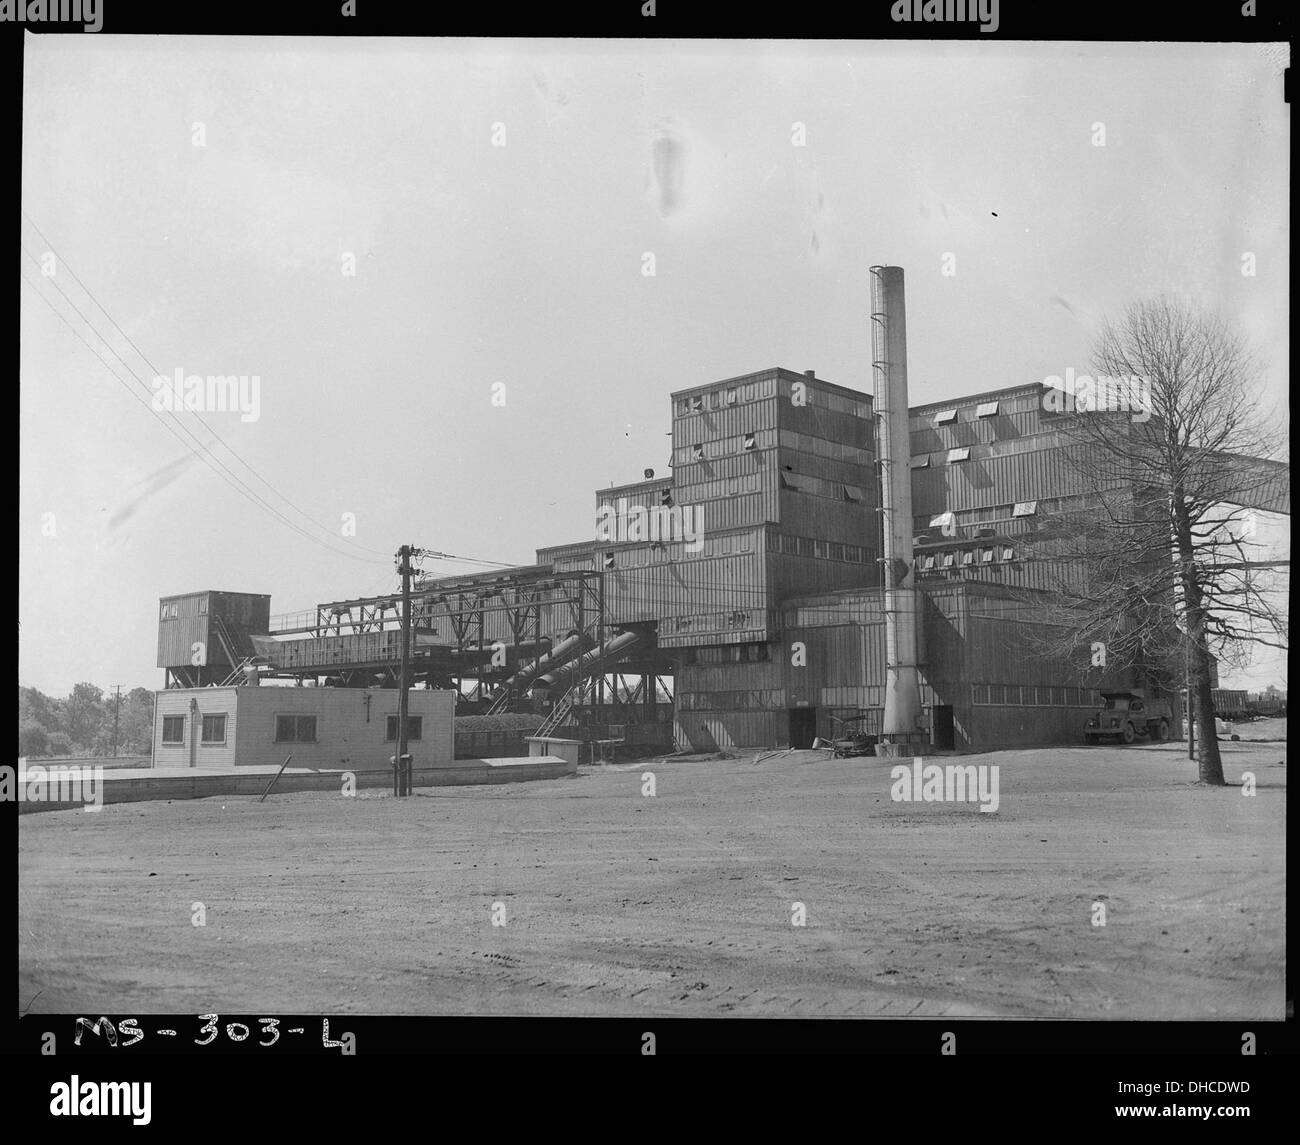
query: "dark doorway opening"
944, 732
803, 727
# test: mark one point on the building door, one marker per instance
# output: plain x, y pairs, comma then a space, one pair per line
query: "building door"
803, 727
944, 732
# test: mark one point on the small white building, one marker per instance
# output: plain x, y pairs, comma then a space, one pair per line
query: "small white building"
226, 728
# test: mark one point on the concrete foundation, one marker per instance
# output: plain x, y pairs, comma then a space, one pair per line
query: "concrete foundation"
137, 785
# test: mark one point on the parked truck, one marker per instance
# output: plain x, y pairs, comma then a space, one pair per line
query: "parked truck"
1127, 715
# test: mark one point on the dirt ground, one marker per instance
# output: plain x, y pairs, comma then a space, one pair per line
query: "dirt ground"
682, 903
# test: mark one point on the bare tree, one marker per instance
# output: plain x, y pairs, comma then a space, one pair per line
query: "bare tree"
1152, 565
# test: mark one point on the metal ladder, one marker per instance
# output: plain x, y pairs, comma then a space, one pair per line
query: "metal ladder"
503, 700
560, 712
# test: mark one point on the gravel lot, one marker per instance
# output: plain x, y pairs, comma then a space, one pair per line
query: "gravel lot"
681, 903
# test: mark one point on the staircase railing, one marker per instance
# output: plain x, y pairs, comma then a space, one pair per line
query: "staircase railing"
560, 712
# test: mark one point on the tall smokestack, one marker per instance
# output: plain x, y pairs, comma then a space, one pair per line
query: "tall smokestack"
902, 730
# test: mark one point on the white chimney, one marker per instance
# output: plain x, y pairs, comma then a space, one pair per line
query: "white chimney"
903, 732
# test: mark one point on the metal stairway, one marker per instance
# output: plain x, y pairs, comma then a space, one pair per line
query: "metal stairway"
560, 712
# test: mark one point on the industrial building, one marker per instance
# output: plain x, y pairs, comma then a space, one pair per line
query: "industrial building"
815, 552
233, 727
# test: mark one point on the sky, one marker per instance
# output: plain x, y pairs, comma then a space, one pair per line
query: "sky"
433, 257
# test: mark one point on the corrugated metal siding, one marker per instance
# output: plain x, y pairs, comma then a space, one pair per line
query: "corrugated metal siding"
1001, 652
831, 425
995, 481
720, 730
805, 515
969, 430
733, 512
826, 396
584, 562
242, 612
1012, 399
187, 604
991, 727
249, 611
324, 651
626, 500
831, 469
835, 657
727, 467
577, 548
749, 387
732, 421
729, 677
789, 575
176, 640
696, 597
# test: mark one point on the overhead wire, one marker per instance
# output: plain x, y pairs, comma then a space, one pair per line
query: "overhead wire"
206, 455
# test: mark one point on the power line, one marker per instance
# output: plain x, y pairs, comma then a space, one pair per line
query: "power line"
206, 456
214, 434
145, 358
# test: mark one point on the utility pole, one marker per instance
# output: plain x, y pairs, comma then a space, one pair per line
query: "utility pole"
403, 771
117, 708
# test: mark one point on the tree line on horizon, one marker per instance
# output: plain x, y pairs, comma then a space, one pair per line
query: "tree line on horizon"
81, 723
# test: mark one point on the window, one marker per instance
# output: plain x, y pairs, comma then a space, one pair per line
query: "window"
945, 521
986, 409
697, 452
696, 404
922, 462
295, 729
789, 482
820, 549
1025, 509
946, 416
750, 442
414, 728
170, 610
837, 551
852, 493
1008, 554
173, 729
968, 557
928, 563
947, 560
959, 454
986, 555
214, 729
805, 546
731, 397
